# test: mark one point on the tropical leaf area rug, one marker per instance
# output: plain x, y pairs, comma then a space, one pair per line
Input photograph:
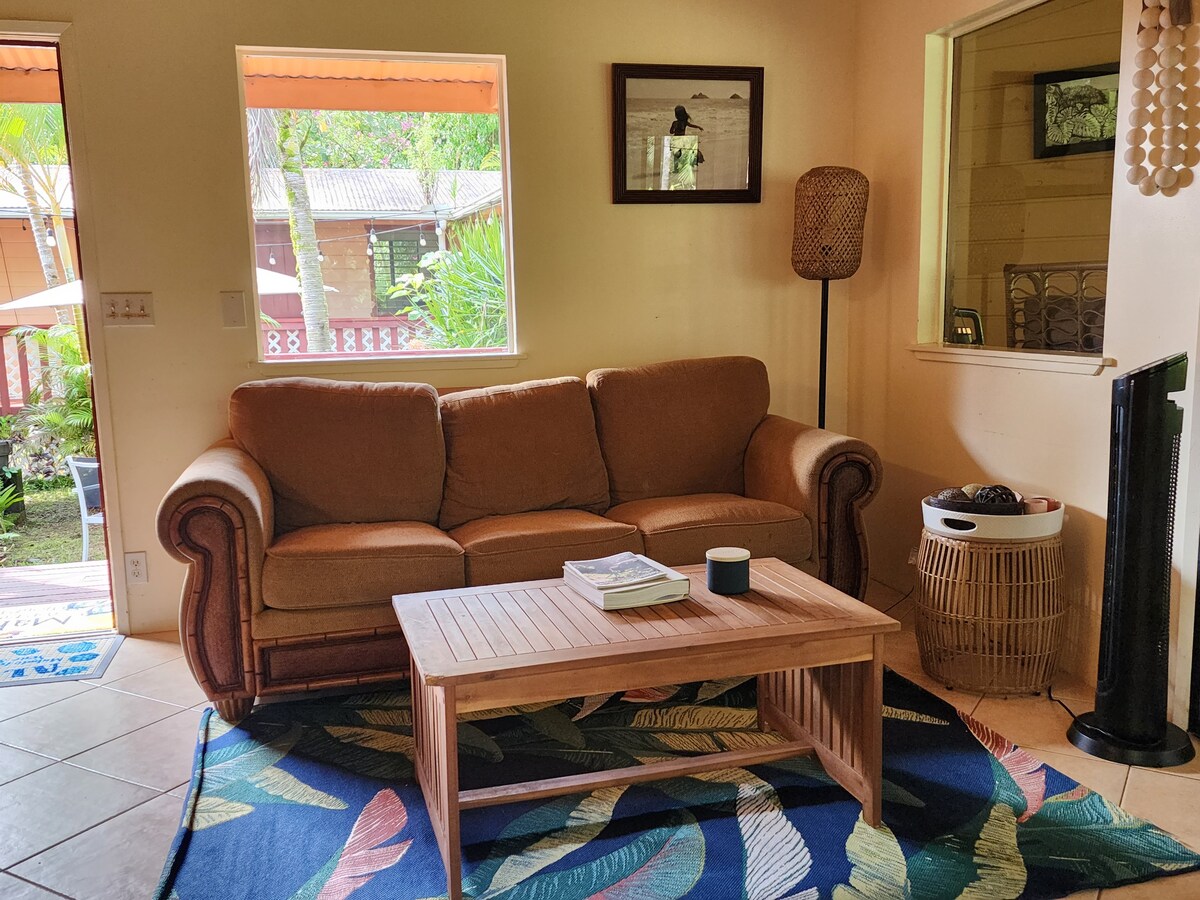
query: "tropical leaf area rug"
316, 799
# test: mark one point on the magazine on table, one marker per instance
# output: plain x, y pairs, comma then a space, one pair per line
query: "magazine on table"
624, 580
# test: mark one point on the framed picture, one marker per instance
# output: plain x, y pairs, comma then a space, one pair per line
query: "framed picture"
1075, 111
687, 134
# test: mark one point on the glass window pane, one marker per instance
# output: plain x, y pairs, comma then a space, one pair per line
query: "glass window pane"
378, 201
1033, 126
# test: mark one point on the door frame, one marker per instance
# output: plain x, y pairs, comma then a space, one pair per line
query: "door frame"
61, 35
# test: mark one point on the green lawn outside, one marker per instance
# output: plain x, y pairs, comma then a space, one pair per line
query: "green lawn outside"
52, 532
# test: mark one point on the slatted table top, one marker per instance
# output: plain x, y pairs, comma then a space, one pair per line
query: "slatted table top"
506, 630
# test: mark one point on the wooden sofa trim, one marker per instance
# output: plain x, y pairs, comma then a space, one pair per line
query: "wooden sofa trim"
848, 484
210, 534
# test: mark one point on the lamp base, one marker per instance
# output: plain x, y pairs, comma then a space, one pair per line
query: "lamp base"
1173, 750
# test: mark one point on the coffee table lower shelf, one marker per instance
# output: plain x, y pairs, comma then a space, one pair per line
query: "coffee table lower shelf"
834, 711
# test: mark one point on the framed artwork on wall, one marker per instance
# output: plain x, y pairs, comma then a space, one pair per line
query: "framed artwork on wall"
1075, 111
687, 134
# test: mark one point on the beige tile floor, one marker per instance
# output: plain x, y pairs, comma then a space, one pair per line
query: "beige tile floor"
93, 774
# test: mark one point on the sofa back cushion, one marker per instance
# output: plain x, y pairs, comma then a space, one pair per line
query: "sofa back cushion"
338, 451
678, 427
521, 448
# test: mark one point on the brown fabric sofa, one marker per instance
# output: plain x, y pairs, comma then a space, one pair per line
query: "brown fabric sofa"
330, 497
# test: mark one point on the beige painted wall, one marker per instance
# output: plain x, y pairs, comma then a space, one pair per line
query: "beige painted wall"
152, 107
937, 423
1009, 207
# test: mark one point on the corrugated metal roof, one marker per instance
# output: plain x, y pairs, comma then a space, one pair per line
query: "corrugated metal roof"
381, 193
341, 194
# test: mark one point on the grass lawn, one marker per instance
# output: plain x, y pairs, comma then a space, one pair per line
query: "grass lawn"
52, 532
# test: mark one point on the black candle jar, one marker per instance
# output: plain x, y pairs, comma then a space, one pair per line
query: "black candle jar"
728, 570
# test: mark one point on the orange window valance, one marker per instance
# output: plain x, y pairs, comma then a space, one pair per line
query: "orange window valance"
298, 82
28, 74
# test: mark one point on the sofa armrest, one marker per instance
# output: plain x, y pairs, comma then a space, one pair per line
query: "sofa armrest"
218, 518
827, 476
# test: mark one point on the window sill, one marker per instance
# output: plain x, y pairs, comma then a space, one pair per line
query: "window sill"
1029, 360
310, 365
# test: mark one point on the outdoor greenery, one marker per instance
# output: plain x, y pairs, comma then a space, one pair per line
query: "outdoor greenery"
33, 147
58, 413
461, 302
356, 139
52, 533
290, 140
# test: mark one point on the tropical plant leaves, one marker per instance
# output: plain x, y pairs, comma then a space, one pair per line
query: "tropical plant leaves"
365, 852
557, 827
1027, 771
374, 739
1066, 833
878, 870
777, 857
695, 718
663, 862
907, 715
211, 811
710, 690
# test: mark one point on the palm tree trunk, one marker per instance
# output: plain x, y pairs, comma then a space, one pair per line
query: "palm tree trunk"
37, 224
63, 241
304, 237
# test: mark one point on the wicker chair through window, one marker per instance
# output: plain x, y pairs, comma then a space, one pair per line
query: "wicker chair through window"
1056, 306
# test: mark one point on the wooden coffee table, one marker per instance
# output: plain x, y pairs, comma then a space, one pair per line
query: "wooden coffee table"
816, 651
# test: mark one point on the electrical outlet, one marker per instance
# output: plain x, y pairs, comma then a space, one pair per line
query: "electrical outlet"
127, 309
135, 568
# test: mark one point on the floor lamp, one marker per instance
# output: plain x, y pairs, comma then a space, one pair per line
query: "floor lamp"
831, 207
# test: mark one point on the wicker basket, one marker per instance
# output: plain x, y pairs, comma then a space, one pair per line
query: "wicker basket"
990, 615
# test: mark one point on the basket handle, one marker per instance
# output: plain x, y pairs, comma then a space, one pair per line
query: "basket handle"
959, 524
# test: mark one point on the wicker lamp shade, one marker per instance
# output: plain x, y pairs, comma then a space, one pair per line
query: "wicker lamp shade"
831, 207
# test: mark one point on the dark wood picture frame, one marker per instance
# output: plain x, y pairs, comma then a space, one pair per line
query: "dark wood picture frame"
1042, 82
622, 73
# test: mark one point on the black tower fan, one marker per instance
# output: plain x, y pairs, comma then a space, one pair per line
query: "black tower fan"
1129, 724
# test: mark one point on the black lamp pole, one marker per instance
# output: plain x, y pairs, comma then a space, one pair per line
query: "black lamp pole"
824, 349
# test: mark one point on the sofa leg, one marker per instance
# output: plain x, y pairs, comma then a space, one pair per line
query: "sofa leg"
234, 710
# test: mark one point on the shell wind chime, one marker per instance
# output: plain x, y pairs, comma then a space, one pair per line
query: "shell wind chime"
1162, 139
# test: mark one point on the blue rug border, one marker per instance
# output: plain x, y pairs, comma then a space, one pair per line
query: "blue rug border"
97, 672
164, 889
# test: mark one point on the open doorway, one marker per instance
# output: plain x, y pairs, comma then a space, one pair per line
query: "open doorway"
54, 576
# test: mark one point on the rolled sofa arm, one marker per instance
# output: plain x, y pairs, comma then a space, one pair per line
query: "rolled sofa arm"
827, 476
218, 518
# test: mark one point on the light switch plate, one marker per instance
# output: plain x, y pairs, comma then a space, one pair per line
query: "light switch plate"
233, 309
120, 310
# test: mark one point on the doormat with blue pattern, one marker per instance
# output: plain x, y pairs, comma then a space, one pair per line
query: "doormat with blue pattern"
65, 659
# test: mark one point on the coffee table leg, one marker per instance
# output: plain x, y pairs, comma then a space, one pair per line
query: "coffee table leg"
839, 710
435, 733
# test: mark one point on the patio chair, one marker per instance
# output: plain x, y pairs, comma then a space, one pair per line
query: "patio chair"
86, 473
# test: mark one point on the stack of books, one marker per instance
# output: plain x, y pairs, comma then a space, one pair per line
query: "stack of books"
624, 581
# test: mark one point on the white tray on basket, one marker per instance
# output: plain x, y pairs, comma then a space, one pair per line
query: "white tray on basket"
982, 527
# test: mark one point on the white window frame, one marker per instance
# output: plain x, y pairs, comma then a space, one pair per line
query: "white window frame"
339, 363
935, 217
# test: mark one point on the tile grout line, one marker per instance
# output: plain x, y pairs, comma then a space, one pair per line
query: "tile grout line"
37, 885
32, 856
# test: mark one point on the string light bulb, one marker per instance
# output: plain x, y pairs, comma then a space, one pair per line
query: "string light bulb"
320, 254
51, 241
372, 237
271, 257
423, 241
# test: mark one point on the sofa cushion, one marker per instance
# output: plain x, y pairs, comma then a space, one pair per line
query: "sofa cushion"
343, 451
678, 427
678, 530
348, 565
521, 448
533, 545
